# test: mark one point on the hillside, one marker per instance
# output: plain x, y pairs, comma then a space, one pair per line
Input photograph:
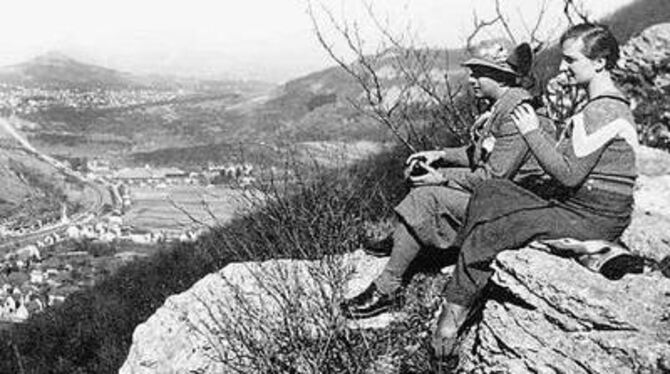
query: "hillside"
313, 108
56, 70
318, 106
78, 109
125, 122
32, 190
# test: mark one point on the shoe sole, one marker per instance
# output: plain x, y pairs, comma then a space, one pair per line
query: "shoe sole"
373, 313
376, 253
370, 314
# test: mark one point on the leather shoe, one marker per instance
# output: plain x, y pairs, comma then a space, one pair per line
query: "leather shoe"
378, 247
370, 303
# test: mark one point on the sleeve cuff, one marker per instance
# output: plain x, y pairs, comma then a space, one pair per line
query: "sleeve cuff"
534, 136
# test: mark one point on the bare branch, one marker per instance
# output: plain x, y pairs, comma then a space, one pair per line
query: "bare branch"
413, 95
208, 209
367, 78
570, 5
479, 26
187, 213
535, 42
540, 18
329, 48
503, 21
386, 121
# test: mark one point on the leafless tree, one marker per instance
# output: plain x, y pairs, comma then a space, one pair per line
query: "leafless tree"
414, 88
398, 80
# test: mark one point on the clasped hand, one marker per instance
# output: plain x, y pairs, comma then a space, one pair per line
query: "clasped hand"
423, 160
525, 119
427, 157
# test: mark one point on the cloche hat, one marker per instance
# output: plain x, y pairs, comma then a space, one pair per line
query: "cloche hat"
496, 56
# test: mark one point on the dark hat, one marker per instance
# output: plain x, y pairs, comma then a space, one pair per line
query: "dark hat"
496, 56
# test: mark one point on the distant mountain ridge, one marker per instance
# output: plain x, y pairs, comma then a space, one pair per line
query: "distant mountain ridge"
55, 69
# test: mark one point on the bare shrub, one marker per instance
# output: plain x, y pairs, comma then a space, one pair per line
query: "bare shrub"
405, 87
415, 91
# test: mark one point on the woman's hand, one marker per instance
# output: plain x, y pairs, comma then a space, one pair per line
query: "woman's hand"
427, 157
525, 119
432, 176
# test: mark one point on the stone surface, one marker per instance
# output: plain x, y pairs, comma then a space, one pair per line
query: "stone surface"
649, 231
554, 316
210, 327
652, 162
645, 59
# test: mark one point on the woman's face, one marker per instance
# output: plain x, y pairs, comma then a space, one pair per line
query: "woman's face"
483, 87
578, 68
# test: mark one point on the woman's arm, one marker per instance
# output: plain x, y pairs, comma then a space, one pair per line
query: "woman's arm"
456, 156
571, 167
567, 169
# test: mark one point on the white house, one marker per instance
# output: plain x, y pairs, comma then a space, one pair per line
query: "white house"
73, 232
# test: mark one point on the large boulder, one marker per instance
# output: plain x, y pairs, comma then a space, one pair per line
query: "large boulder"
237, 319
645, 59
644, 74
550, 315
649, 231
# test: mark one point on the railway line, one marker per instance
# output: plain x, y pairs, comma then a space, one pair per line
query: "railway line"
96, 197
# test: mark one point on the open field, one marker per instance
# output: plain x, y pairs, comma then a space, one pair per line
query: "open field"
169, 208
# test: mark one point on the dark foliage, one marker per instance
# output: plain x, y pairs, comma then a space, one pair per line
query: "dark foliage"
91, 332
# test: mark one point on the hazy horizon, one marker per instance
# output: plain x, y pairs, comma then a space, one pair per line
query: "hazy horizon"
268, 40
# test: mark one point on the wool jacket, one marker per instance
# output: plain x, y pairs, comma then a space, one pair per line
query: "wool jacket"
499, 151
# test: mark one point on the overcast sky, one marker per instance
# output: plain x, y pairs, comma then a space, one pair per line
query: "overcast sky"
264, 39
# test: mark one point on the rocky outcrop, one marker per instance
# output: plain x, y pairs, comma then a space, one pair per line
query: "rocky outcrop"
649, 231
237, 319
550, 316
645, 59
644, 75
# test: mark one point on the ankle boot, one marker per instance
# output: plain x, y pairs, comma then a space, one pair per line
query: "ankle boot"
370, 303
451, 319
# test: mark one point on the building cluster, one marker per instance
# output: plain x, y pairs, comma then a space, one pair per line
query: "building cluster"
111, 229
10, 228
36, 276
29, 282
154, 177
239, 174
26, 100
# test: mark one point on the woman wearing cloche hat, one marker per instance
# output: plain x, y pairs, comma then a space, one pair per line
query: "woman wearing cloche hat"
432, 213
